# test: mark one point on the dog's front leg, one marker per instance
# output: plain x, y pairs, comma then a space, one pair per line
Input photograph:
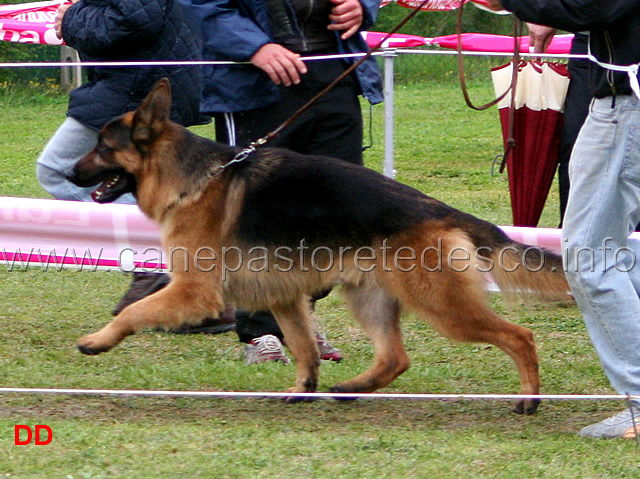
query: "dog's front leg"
179, 303
297, 326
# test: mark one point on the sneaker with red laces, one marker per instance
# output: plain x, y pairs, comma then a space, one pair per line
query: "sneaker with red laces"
265, 348
327, 351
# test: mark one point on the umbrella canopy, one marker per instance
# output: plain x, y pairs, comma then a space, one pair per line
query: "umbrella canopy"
537, 123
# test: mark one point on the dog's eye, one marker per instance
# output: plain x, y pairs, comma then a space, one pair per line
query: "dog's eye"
103, 149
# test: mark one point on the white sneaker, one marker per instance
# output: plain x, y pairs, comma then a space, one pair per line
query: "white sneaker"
625, 424
265, 348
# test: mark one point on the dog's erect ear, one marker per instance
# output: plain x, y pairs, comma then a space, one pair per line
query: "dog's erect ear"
149, 118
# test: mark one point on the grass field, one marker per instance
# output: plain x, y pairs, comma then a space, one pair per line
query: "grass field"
442, 148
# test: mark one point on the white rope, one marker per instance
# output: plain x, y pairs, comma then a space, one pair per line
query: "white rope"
630, 70
382, 52
487, 54
329, 395
59, 64
270, 394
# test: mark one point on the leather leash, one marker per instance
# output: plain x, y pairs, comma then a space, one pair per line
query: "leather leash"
515, 64
244, 153
517, 28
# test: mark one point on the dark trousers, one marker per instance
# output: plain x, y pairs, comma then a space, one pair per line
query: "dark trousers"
331, 127
576, 109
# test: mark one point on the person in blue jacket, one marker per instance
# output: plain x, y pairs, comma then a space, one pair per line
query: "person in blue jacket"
118, 30
604, 198
249, 100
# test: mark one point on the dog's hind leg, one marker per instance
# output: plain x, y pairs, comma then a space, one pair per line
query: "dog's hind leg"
477, 323
379, 315
455, 304
297, 327
179, 303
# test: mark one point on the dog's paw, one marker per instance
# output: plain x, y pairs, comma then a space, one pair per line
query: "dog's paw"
338, 389
92, 345
526, 406
297, 399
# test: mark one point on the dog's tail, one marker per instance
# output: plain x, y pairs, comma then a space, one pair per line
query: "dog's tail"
518, 269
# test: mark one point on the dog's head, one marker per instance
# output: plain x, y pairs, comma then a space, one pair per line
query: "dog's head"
124, 144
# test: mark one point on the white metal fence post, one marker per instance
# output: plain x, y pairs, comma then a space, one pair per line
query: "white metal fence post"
388, 61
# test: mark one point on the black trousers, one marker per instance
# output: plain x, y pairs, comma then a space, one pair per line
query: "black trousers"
576, 109
331, 127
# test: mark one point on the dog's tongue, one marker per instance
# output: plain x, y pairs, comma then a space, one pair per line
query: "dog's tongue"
108, 191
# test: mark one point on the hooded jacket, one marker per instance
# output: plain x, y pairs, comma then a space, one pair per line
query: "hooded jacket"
131, 30
235, 30
614, 31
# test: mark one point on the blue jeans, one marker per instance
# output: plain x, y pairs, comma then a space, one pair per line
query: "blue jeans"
600, 259
70, 143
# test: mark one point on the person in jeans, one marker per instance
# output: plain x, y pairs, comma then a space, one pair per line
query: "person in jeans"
119, 30
250, 100
604, 198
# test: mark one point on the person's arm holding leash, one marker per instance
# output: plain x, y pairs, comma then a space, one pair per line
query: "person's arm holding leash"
540, 37
281, 64
232, 35
284, 66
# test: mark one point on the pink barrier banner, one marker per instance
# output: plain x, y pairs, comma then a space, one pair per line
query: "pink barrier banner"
442, 5
434, 5
30, 22
545, 238
397, 40
34, 22
69, 234
472, 42
486, 42
53, 234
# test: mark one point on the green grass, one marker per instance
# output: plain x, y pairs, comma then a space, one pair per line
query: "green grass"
442, 148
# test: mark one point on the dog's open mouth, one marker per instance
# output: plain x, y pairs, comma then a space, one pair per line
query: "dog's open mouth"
111, 189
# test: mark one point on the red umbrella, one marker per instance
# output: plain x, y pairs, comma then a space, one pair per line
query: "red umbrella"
537, 123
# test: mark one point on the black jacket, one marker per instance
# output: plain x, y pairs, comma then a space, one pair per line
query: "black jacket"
614, 27
131, 30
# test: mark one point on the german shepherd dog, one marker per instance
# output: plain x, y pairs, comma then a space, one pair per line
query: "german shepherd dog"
277, 227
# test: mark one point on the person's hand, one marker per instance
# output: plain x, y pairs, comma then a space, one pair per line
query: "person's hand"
540, 37
346, 16
62, 9
281, 64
